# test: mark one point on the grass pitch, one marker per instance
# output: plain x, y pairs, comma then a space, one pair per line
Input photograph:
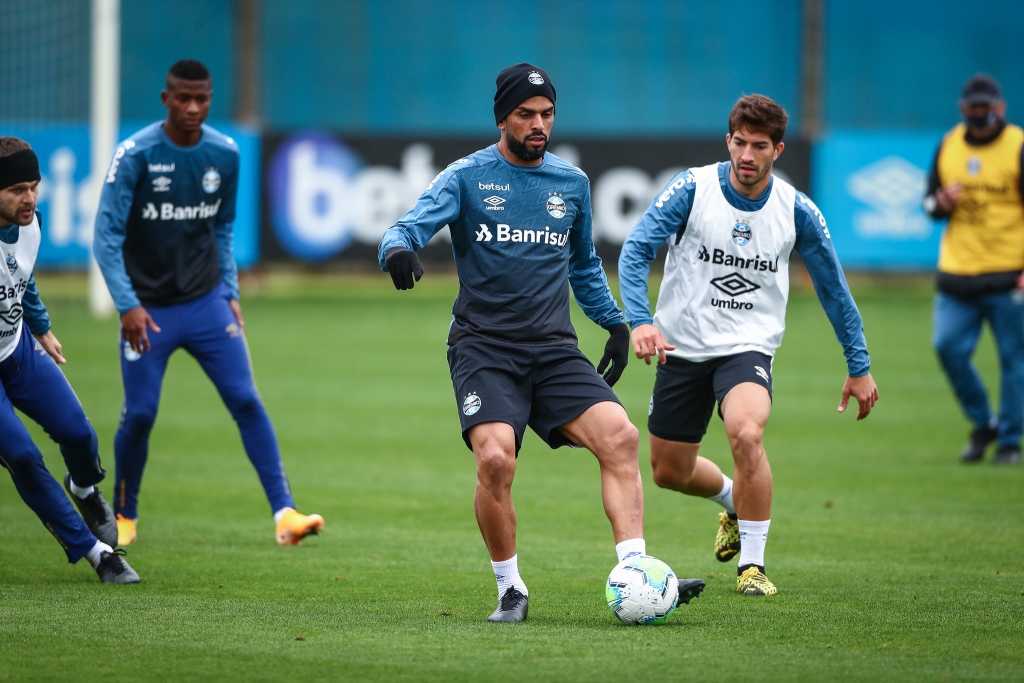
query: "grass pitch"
893, 561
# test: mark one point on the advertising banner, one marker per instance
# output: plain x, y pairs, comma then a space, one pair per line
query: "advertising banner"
869, 187
68, 197
329, 196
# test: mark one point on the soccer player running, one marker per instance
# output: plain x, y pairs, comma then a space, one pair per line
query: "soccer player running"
163, 242
31, 382
520, 224
731, 228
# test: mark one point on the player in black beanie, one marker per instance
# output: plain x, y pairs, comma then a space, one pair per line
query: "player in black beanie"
522, 89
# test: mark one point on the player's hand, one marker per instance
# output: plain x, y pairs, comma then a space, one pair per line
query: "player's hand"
947, 196
1020, 282
404, 266
134, 326
864, 390
616, 354
51, 346
647, 342
236, 308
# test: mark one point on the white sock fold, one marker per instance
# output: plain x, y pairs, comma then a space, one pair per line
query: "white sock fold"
506, 573
94, 555
724, 497
79, 491
632, 545
279, 514
753, 536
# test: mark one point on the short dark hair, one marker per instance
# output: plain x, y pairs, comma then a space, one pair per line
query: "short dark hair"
759, 114
189, 70
10, 145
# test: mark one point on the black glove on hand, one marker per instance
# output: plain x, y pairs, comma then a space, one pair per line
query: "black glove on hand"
616, 352
404, 266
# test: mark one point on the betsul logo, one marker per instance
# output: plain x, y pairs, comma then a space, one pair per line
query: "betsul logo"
310, 184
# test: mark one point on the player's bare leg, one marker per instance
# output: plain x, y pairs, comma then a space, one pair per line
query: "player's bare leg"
494, 447
605, 430
745, 410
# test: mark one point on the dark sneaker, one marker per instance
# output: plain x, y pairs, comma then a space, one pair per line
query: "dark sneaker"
1007, 455
96, 512
974, 451
113, 568
688, 590
512, 606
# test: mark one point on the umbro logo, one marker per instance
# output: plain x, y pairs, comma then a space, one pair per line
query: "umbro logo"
495, 203
734, 284
161, 184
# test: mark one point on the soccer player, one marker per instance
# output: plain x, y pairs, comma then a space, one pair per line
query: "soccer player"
731, 228
31, 382
520, 223
977, 182
163, 242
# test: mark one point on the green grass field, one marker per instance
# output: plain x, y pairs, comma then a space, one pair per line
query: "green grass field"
893, 561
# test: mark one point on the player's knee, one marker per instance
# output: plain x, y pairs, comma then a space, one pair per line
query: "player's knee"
20, 460
495, 464
746, 438
244, 402
623, 439
950, 348
139, 421
77, 435
666, 475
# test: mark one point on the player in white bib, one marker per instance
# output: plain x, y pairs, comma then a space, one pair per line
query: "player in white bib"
731, 228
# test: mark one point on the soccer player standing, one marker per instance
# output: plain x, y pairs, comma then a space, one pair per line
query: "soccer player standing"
31, 382
163, 242
731, 228
520, 223
977, 182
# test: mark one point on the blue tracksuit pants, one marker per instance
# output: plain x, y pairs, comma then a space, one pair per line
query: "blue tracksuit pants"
957, 326
31, 382
206, 328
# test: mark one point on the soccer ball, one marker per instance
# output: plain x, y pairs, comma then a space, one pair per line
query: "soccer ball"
642, 590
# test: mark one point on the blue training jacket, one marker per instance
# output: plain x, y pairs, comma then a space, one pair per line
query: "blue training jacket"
521, 235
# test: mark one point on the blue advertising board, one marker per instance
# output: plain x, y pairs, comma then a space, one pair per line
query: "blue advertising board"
68, 201
869, 186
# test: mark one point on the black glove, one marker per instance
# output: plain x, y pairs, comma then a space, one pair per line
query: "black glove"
616, 352
404, 266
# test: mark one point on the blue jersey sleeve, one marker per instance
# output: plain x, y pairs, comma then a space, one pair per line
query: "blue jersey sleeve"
225, 233
814, 245
35, 315
437, 207
667, 215
586, 275
111, 225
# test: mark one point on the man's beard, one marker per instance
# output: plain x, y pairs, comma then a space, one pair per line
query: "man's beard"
521, 150
757, 178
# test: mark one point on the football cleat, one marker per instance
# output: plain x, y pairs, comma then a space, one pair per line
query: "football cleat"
688, 590
974, 451
295, 526
512, 607
727, 540
752, 581
125, 530
1007, 455
96, 513
113, 568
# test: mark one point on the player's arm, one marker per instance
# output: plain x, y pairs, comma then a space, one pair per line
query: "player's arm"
224, 233
814, 245
590, 287
38, 320
108, 246
940, 201
665, 217
438, 206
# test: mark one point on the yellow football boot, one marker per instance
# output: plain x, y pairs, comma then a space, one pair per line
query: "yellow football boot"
125, 530
295, 526
753, 582
727, 540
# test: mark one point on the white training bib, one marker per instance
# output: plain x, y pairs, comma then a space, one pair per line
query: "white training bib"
19, 262
726, 282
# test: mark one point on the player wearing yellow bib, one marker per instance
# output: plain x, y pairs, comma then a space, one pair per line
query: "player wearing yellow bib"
976, 183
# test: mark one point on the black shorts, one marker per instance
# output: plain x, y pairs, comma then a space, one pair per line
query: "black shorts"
540, 386
685, 392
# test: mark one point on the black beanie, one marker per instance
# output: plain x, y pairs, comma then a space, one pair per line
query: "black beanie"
518, 83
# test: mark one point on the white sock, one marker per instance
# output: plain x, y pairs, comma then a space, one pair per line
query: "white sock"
79, 491
631, 546
724, 497
506, 573
279, 514
94, 555
753, 536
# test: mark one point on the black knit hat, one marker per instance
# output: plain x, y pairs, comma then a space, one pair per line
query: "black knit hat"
980, 89
518, 83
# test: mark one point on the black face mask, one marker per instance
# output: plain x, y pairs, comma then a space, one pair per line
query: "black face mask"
982, 122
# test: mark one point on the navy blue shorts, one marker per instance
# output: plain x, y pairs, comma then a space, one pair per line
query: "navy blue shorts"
540, 386
685, 392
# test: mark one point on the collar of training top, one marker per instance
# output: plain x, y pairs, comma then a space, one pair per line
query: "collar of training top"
20, 167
